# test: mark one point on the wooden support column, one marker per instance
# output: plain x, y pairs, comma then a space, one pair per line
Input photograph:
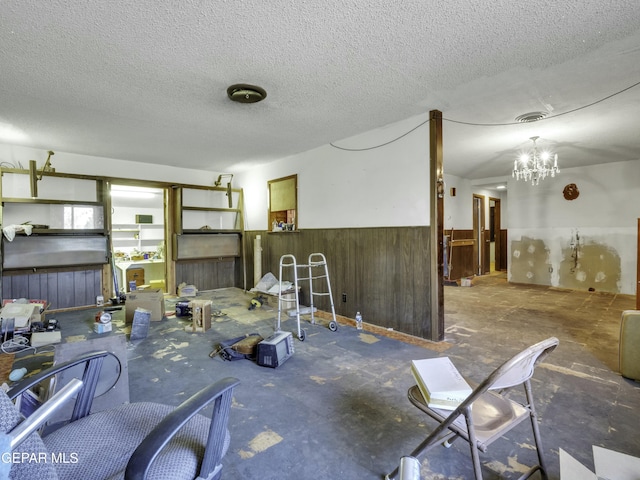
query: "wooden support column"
436, 207
103, 195
173, 226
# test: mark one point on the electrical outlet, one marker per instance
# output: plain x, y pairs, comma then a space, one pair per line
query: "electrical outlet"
344, 298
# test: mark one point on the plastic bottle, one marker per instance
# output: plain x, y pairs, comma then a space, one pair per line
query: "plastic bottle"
358, 321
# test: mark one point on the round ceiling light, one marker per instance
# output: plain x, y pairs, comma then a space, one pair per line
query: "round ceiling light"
243, 93
531, 117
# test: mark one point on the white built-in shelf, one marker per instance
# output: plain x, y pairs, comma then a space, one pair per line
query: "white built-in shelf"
140, 236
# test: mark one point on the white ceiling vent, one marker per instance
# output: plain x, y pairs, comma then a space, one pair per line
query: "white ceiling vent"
531, 117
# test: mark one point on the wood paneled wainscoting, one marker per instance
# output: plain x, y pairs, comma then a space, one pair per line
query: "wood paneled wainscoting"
210, 273
384, 272
62, 287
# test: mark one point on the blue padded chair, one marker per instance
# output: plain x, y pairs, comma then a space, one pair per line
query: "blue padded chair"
132, 441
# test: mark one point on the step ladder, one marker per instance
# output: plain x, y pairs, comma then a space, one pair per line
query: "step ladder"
317, 271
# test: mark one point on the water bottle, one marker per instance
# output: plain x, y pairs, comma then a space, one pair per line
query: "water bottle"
358, 321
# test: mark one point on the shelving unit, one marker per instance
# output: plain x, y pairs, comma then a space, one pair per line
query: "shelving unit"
141, 236
62, 223
65, 259
208, 243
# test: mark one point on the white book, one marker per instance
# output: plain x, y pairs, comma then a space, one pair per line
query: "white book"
440, 382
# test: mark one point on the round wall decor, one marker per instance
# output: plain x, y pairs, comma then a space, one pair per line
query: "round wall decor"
571, 191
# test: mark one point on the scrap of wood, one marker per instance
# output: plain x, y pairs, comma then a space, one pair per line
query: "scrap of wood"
462, 243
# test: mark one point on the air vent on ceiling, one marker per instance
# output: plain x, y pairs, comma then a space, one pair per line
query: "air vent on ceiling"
531, 117
243, 93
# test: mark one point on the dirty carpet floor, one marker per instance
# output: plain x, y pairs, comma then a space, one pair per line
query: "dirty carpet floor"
338, 407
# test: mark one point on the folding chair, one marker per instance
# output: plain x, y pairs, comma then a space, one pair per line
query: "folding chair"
487, 413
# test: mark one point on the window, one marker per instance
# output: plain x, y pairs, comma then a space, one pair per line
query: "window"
79, 217
283, 203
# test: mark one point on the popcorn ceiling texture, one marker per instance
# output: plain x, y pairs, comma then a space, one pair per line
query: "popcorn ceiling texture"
146, 80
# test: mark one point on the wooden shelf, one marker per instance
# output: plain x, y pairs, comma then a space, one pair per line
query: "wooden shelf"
210, 232
212, 209
63, 231
45, 201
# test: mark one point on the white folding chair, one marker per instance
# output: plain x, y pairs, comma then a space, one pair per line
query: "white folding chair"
487, 413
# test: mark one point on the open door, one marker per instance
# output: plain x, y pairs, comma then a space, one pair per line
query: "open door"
480, 258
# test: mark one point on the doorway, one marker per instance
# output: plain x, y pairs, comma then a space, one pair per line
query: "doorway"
138, 237
481, 240
495, 238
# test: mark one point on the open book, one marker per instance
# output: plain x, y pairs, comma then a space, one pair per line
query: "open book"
440, 383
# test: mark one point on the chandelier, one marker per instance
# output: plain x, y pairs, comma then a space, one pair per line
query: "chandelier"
534, 165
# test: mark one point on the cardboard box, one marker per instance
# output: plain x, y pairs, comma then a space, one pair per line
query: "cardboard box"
39, 339
187, 290
152, 300
156, 284
102, 327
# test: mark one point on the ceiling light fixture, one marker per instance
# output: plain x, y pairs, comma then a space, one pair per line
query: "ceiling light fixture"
534, 165
130, 191
243, 93
131, 194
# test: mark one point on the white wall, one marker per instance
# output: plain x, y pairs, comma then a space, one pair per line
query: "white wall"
458, 210
386, 186
604, 216
100, 166
389, 186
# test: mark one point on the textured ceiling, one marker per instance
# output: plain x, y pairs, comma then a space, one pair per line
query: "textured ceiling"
146, 80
